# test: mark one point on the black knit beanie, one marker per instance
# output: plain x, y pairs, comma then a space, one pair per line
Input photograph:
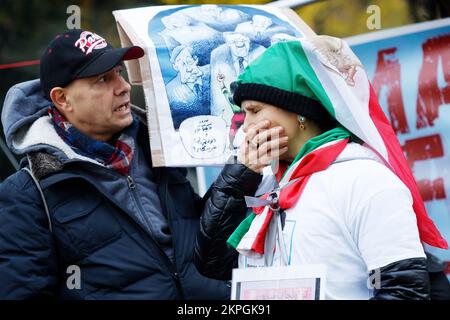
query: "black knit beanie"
309, 108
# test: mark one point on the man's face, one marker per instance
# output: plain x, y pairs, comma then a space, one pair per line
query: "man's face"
239, 44
100, 104
187, 67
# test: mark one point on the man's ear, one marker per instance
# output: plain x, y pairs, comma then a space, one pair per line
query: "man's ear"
60, 99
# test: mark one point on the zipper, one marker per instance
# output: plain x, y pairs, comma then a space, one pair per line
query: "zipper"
140, 209
132, 187
169, 219
131, 184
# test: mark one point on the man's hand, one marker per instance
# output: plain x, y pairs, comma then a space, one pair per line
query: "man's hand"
261, 145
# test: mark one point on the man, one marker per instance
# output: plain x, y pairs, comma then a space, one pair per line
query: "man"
107, 225
188, 92
227, 62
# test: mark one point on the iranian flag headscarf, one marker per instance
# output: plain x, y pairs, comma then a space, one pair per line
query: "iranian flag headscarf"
323, 69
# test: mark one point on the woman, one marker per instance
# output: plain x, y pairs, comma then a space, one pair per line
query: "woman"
351, 207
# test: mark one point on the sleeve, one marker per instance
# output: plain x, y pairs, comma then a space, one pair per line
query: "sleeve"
384, 227
27, 255
223, 212
407, 279
199, 202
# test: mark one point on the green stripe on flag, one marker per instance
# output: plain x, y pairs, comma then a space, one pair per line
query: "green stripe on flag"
298, 75
335, 134
240, 231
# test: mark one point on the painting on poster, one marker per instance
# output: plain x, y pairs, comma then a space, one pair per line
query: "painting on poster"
194, 54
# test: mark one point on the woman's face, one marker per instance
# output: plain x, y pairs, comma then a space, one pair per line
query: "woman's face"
256, 111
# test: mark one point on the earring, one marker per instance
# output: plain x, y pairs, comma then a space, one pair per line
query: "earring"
301, 119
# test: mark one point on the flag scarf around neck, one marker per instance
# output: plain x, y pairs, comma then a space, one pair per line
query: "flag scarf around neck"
316, 155
326, 69
116, 156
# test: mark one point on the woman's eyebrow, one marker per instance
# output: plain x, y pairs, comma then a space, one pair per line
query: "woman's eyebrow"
246, 109
250, 107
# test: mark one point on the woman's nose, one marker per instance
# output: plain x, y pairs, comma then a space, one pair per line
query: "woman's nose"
246, 124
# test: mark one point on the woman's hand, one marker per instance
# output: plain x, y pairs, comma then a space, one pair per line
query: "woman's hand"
261, 145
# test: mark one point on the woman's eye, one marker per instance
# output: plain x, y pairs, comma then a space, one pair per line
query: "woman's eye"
102, 79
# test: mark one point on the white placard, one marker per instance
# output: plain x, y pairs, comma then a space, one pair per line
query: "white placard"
303, 282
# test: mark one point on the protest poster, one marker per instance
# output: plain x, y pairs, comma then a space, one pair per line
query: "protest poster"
193, 55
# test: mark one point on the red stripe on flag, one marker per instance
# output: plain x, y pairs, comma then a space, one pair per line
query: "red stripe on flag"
19, 64
258, 244
427, 230
317, 160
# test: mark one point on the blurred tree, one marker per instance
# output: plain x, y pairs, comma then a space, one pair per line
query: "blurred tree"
343, 18
424, 10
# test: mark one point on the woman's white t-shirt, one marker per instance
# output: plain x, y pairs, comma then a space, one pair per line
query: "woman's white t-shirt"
354, 217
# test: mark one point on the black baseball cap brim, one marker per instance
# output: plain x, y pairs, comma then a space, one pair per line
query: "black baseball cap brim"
108, 59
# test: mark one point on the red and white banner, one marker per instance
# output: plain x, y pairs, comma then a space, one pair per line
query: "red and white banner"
409, 68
